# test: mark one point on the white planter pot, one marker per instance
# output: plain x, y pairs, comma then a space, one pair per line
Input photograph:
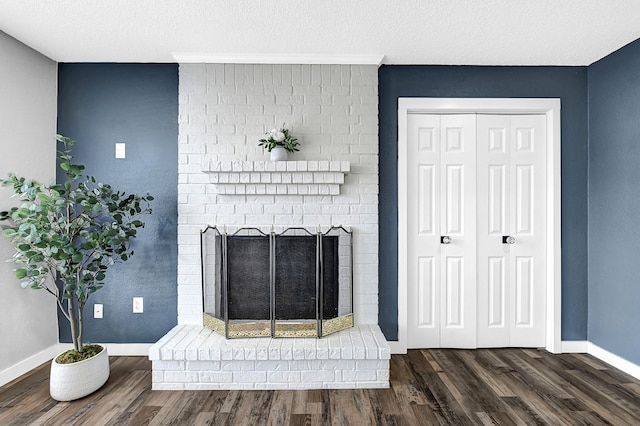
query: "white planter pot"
72, 381
279, 154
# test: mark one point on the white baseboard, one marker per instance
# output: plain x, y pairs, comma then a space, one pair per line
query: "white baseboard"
571, 346
128, 349
584, 346
119, 349
568, 346
24, 366
142, 349
614, 360
397, 348
574, 346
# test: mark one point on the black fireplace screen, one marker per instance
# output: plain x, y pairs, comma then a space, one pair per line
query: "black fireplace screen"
290, 284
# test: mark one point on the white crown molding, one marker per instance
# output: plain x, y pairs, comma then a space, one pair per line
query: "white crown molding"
187, 58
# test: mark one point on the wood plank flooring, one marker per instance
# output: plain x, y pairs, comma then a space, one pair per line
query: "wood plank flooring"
428, 387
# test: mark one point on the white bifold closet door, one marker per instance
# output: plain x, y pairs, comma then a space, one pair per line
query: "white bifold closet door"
442, 204
476, 230
511, 203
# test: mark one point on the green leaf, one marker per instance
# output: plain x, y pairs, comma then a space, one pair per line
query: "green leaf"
9, 232
21, 273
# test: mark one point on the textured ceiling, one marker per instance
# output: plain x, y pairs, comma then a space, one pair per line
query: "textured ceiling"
452, 32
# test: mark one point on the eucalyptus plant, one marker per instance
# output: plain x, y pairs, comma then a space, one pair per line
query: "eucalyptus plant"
70, 232
279, 137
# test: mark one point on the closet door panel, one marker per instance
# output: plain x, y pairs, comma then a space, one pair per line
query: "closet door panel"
528, 252
494, 199
458, 222
423, 225
511, 230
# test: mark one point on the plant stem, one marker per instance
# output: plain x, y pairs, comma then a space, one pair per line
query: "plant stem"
61, 306
80, 327
74, 324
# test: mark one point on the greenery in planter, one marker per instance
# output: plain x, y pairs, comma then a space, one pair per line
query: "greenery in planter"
71, 232
279, 137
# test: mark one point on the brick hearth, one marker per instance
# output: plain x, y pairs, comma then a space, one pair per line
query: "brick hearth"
194, 357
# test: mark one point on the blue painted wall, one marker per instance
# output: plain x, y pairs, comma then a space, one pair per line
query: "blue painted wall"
614, 202
99, 105
567, 83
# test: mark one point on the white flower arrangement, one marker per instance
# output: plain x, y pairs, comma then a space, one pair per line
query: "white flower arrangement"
279, 137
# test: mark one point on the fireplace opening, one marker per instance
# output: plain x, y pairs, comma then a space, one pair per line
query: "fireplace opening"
290, 284
248, 276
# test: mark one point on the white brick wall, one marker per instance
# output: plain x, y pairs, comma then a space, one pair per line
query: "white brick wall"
225, 108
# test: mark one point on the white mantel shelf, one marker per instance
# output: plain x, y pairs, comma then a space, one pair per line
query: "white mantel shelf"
276, 178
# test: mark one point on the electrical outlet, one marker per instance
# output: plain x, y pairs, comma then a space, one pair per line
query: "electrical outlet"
121, 151
138, 305
97, 310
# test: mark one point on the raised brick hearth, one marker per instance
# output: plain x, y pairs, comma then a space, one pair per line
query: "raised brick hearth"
194, 357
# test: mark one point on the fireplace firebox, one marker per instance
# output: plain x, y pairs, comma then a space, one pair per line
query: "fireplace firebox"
296, 283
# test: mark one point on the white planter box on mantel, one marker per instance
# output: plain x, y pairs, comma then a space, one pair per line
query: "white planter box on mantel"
274, 178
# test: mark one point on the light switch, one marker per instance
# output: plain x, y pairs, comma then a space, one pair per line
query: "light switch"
97, 310
138, 305
121, 150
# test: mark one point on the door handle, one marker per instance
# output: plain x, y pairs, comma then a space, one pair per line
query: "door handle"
508, 239
445, 239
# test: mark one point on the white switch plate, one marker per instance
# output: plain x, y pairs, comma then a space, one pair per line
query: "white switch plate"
138, 305
97, 310
121, 151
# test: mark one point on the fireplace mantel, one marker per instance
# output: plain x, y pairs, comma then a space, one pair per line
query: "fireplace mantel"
275, 178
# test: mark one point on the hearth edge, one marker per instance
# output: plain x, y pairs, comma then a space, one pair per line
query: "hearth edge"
192, 357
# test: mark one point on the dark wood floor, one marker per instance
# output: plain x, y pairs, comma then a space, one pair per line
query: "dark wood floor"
452, 387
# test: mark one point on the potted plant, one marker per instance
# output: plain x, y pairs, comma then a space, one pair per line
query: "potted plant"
66, 236
279, 143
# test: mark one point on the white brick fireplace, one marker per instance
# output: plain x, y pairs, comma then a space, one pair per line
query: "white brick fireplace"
223, 110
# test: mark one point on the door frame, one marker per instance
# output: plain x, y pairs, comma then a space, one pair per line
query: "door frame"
550, 107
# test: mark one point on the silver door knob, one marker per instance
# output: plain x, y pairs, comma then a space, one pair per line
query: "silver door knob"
508, 239
445, 239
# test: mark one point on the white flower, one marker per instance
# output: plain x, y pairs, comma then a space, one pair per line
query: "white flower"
277, 135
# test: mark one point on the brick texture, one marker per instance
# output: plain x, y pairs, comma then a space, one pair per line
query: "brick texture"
357, 358
224, 109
